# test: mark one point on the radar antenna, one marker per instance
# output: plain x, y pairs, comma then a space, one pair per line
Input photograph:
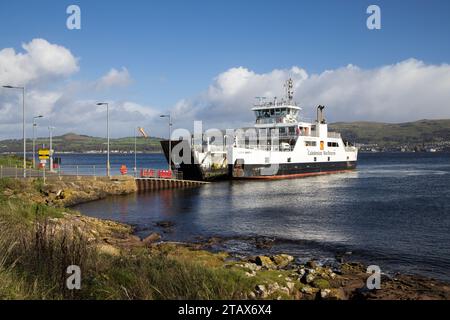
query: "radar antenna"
289, 86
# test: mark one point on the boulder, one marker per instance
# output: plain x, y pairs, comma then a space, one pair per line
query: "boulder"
152, 238
261, 291
282, 260
265, 262
308, 278
312, 264
333, 294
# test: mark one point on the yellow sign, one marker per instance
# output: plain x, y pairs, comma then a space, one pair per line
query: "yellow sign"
44, 154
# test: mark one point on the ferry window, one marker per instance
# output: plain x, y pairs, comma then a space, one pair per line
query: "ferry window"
315, 159
283, 111
333, 144
272, 112
291, 130
310, 143
328, 158
277, 112
288, 159
282, 130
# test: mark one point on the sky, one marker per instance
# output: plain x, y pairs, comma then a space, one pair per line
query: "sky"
207, 60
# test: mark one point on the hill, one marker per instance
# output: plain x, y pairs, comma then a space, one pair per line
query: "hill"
72, 142
395, 134
412, 135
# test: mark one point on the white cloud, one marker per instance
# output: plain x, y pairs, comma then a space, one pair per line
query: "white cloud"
67, 105
40, 61
115, 78
406, 91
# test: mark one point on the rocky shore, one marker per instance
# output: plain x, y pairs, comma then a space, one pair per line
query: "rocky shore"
279, 276
70, 192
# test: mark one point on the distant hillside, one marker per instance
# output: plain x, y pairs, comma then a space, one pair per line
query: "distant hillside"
385, 135
72, 142
390, 135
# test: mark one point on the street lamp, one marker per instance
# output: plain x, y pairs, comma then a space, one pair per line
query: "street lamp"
23, 129
34, 139
170, 137
108, 169
50, 130
135, 150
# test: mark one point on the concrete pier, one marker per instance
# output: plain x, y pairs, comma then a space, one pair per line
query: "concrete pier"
146, 184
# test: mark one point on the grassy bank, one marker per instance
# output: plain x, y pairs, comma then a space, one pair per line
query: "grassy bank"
12, 161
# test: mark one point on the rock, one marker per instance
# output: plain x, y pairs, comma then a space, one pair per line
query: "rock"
252, 295
308, 278
333, 294
290, 286
324, 293
352, 267
312, 264
308, 290
152, 238
265, 262
250, 274
60, 194
261, 291
264, 243
165, 224
251, 266
272, 287
282, 260
284, 290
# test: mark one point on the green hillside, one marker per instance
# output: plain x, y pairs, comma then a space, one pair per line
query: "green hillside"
385, 135
390, 134
82, 143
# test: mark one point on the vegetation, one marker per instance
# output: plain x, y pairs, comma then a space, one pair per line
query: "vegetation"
34, 255
390, 134
72, 142
12, 161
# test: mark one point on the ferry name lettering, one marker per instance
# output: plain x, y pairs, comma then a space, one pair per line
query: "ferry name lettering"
320, 153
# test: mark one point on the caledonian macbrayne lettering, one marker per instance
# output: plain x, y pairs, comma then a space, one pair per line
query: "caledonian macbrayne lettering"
321, 153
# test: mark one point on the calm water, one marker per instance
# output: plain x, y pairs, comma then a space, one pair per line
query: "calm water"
394, 211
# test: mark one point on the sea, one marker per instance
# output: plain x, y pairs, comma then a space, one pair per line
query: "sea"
393, 211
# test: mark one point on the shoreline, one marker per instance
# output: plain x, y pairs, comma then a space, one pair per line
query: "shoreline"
263, 276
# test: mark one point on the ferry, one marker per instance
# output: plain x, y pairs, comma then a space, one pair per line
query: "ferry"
281, 144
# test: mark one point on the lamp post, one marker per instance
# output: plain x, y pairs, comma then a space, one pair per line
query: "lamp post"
135, 150
23, 129
50, 130
108, 168
34, 139
170, 137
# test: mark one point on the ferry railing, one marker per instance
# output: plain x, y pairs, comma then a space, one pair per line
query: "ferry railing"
84, 171
335, 135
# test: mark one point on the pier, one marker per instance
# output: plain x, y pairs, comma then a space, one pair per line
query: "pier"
147, 184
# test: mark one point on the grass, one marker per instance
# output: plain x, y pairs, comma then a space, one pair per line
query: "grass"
12, 161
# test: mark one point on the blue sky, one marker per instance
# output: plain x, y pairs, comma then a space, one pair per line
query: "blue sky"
174, 49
